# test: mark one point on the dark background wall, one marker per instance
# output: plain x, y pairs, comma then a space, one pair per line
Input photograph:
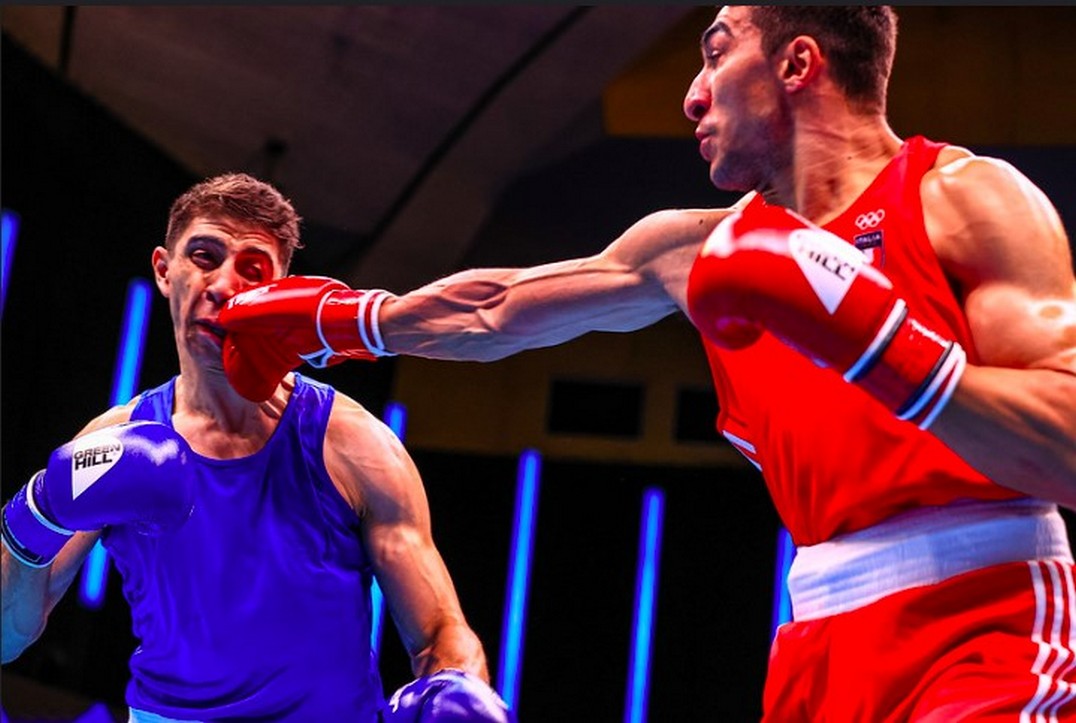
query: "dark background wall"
93, 199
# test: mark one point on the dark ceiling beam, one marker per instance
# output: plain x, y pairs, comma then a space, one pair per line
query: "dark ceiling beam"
465, 123
514, 132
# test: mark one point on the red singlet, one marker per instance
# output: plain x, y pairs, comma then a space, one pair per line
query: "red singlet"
921, 590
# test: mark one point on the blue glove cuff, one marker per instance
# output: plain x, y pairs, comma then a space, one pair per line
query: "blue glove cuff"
27, 534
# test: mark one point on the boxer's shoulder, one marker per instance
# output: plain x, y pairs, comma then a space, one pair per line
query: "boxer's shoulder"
116, 415
670, 235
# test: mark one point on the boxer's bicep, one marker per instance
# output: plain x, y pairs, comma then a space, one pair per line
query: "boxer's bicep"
1002, 243
1003, 248
377, 477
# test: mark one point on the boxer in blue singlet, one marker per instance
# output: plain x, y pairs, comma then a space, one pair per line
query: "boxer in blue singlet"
247, 534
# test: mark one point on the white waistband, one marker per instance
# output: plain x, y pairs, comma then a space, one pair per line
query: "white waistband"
144, 716
921, 547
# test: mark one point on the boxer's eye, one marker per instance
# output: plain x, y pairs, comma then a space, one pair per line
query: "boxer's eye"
204, 259
713, 55
253, 266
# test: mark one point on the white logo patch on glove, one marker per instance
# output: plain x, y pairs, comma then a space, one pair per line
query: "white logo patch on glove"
93, 455
829, 264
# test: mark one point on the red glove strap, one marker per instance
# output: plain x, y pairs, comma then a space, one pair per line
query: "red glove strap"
347, 323
909, 368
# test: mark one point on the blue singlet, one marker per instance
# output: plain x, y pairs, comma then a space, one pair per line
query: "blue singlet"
258, 608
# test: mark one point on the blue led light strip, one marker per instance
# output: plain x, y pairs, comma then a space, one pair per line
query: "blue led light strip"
136, 310
395, 416
132, 341
782, 604
377, 607
646, 589
91, 592
509, 671
9, 232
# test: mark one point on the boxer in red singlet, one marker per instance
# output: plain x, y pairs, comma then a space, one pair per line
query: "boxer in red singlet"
891, 326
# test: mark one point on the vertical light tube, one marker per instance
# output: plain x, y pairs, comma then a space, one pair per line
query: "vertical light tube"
782, 604
509, 671
132, 341
9, 233
395, 416
646, 587
136, 310
91, 592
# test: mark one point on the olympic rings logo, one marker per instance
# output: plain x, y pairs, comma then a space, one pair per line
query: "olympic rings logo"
870, 220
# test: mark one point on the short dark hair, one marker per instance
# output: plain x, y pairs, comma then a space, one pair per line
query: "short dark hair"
858, 41
238, 197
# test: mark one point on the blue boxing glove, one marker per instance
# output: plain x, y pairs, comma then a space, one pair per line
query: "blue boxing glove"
133, 473
447, 696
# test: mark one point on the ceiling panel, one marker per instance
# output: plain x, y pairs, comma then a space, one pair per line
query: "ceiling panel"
389, 123
398, 126
347, 100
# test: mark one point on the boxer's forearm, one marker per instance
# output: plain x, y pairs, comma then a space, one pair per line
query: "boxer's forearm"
489, 314
454, 646
30, 594
1017, 427
25, 592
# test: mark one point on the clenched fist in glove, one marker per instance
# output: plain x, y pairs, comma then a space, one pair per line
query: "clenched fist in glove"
274, 328
766, 268
137, 473
447, 696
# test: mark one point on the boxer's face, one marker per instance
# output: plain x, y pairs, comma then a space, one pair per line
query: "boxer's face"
737, 104
213, 260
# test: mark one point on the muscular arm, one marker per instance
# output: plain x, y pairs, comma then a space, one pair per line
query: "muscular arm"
29, 594
488, 314
1013, 416
376, 475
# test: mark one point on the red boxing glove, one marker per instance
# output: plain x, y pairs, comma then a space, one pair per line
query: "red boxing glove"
274, 328
768, 268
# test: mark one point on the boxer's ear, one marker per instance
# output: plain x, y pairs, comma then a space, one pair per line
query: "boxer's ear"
160, 262
799, 63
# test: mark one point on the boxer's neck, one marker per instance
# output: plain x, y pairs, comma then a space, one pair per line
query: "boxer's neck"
218, 423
